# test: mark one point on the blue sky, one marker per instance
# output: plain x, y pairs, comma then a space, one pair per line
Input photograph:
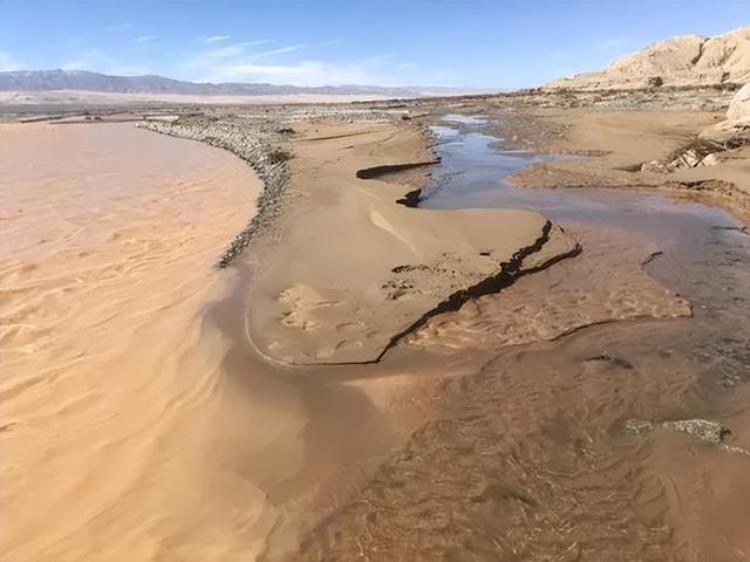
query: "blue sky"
471, 43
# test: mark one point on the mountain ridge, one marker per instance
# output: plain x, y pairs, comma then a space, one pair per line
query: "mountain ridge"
681, 60
84, 80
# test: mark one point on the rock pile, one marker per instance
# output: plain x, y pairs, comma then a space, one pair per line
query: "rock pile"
703, 151
254, 143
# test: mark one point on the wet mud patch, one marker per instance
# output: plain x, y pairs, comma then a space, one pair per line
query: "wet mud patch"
577, 293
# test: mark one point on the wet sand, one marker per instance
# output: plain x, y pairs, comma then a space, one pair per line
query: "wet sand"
354, 269
114, 432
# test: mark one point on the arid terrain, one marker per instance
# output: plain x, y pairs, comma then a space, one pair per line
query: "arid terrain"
494, 327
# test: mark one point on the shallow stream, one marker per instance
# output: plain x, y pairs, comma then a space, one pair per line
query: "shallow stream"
528, 458
705, 253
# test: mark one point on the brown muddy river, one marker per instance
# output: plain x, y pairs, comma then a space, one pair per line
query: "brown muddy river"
113, 402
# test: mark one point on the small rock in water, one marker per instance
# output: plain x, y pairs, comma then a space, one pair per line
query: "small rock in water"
638, 427
616, 361
704, 430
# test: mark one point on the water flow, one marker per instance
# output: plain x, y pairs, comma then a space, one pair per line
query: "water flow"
527, 458
705, 253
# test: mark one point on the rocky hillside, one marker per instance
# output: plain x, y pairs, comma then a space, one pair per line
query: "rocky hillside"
685, 60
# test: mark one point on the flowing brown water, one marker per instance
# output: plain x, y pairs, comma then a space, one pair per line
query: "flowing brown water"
113, 401
527, 458
132, 430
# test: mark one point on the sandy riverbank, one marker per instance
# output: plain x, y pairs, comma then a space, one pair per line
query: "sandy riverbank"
134, 428
621, 143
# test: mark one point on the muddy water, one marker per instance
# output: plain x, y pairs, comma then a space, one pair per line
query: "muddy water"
115, 438
704, 253
137, 422
194, 449
528, 458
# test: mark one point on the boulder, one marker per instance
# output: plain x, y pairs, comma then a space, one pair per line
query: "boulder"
739, 109
654, 166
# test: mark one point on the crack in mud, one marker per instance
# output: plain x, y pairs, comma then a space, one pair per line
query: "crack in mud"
510, 271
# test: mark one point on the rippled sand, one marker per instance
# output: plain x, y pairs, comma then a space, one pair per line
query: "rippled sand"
111, 384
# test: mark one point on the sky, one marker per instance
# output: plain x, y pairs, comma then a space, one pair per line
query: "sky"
457, 43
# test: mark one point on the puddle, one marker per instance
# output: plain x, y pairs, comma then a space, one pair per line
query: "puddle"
472, 120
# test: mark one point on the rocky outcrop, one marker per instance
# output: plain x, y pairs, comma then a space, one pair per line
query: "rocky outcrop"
685, 60
739, 109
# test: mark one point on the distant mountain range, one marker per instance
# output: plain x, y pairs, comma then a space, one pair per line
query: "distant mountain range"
82, 80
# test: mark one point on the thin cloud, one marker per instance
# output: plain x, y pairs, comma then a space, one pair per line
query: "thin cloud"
281, 50
234, 51
330, 42
306, 73
145, 38
8, 63
240, 63
120, 26
215, 39
209, 58
128, 70
95, 60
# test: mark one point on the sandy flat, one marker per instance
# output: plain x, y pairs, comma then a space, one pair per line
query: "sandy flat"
354, 268
622, 141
